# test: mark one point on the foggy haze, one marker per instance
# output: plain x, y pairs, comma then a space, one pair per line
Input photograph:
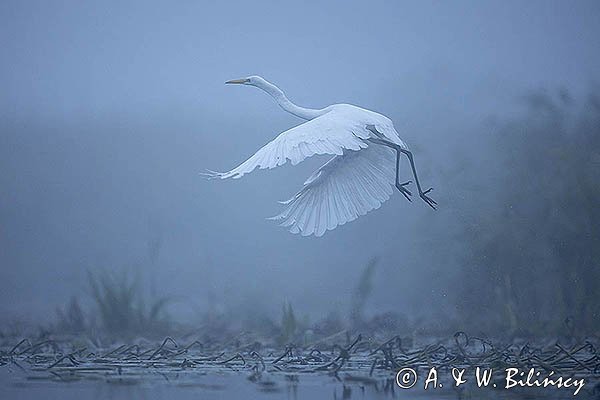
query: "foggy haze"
109, 112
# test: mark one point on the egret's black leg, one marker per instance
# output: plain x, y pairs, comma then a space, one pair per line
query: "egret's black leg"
400, 186
423, 194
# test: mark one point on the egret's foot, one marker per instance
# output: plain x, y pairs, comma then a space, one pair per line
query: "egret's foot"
405, 192
431, 202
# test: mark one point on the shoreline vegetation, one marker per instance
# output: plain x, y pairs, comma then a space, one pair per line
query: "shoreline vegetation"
360, 360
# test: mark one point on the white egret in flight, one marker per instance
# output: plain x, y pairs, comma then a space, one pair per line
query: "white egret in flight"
365, 166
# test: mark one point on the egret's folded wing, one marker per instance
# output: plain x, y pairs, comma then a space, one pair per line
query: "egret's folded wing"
331, 133
343, 189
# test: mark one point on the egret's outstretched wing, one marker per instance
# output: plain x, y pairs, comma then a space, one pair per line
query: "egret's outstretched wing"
331, 133
343, 189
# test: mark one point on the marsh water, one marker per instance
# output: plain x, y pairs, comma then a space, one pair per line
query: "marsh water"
360, 369
205, 386
232, 385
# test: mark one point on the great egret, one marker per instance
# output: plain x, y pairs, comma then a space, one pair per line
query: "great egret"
366, 153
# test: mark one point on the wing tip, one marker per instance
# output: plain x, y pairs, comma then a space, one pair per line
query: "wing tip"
210, 174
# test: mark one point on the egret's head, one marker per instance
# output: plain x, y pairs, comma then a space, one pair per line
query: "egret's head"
251, 80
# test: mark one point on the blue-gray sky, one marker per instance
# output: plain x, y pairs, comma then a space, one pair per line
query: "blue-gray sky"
108, 111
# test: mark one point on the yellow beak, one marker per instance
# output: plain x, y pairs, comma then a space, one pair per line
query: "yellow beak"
238, 81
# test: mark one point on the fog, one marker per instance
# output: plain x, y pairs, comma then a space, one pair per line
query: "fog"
109, 112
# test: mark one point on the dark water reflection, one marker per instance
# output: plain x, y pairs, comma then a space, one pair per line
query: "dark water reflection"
17, 384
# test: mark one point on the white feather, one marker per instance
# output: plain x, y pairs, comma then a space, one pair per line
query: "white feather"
331, 133
340, 191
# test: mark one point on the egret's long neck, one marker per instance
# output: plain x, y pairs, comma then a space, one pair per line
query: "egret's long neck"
287, 105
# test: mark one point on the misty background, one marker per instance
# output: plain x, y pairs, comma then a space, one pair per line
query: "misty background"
109, 111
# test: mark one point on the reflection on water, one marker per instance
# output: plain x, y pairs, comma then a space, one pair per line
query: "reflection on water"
362, 369
232, 385
20, 384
